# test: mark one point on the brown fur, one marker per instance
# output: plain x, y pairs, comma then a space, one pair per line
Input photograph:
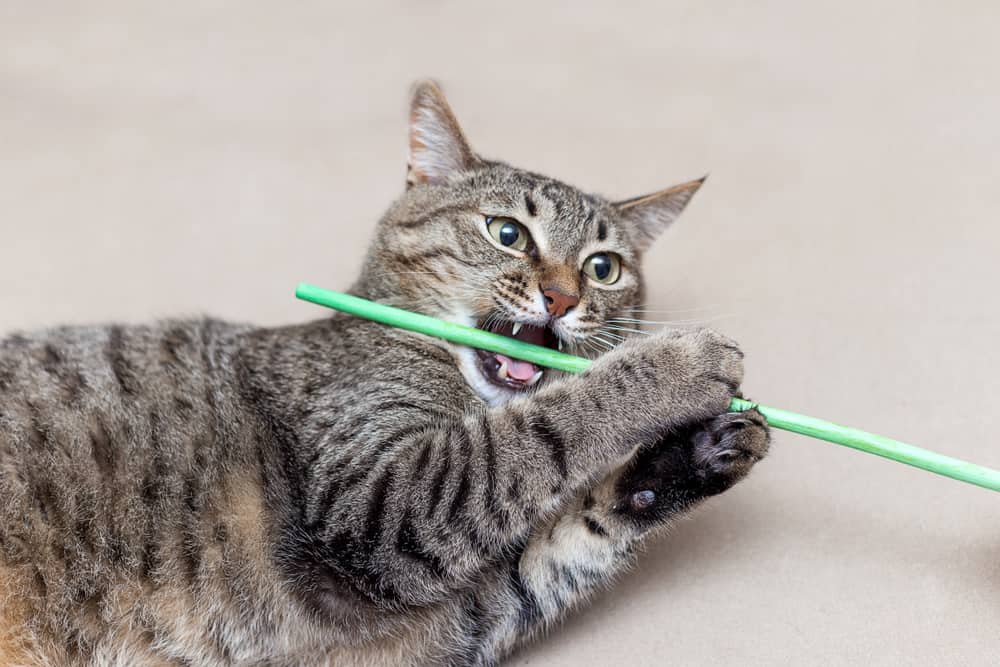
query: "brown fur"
17, 642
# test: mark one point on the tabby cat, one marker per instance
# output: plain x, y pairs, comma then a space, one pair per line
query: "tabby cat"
342, 493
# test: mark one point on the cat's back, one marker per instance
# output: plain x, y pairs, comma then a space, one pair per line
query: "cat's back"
85, 366
58, 385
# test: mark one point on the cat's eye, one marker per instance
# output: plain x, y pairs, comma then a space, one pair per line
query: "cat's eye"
604, 267
508, 232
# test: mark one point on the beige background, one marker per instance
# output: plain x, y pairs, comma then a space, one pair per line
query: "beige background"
185, 157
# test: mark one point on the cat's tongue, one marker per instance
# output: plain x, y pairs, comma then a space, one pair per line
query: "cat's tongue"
517, 369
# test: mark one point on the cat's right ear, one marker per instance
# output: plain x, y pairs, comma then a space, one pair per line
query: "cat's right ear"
438, 147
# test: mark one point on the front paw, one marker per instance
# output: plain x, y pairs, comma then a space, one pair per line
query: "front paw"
725, 448
677, 377
684, 467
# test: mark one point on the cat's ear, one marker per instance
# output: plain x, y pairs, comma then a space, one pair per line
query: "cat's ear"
650, 214
438, 147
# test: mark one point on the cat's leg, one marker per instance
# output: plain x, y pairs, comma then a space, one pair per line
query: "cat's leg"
441, 502
584, 548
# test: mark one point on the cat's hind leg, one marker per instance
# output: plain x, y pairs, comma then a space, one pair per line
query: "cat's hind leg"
584, 548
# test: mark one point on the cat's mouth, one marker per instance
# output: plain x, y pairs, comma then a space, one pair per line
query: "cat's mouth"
512, 373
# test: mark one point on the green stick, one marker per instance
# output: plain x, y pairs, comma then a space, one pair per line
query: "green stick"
542, 356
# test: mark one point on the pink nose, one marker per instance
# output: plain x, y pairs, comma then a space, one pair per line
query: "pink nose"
558, 302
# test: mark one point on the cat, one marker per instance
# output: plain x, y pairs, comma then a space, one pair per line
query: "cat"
344, 493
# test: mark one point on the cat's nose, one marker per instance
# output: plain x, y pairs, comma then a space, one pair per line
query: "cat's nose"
557, 301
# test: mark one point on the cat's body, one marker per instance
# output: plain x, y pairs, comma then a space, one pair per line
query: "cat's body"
344, 493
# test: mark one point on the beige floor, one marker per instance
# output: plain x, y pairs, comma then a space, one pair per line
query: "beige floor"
185, 157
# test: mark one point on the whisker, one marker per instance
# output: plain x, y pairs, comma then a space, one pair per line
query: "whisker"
644, 309
702, 320
626, 329
494, 318
600, 339
633, 320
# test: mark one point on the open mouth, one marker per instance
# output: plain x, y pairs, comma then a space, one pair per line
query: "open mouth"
511, 373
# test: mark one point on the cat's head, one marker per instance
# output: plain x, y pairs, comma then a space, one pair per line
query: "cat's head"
485, 244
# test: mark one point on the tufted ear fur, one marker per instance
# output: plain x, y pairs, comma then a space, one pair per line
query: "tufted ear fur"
649, 215
438, 147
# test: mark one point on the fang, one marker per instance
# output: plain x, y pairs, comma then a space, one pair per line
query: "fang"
535, 378
502, 371
515, 329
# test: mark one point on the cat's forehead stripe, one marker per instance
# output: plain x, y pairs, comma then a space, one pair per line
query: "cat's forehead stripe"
529, 204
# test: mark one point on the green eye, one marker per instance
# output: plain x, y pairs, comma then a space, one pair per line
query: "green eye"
508, 232
604, 267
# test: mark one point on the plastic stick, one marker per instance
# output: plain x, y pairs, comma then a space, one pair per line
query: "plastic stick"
543, 356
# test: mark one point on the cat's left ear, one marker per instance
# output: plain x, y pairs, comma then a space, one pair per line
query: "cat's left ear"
650, 214
438, 147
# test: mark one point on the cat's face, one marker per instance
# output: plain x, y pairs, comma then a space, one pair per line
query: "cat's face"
487, 245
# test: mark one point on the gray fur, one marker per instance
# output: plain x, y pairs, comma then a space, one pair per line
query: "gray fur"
343, 493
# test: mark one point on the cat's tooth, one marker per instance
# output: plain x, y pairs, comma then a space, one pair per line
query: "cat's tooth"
502, 371
535, 378
517, 327
560, 344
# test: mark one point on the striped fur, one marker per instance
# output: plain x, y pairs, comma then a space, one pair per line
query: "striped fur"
339, 493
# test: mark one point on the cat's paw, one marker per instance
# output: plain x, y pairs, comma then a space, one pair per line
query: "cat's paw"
725, 448
688, 375
685, 467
